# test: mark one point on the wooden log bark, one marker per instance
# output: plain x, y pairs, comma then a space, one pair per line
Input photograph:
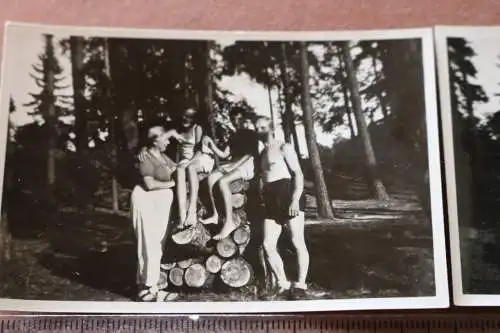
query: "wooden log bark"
238, 200
209, 281
197, 236
185, 263
241, 235
213, 264
195, 276
226, 247
239, 217
393, 205
167, 266
239, 186
236, 272
163, 281
176, 276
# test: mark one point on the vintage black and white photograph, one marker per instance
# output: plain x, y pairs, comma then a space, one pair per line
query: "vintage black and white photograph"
156, 171
469, 71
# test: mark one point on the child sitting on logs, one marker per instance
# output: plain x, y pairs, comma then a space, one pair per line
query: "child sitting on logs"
243, 149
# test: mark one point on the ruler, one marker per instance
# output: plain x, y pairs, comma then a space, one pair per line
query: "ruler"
444, 322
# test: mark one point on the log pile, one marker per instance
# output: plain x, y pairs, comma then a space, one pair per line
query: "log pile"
195, 260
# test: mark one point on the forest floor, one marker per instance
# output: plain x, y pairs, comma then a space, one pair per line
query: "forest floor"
479, 248
90, 256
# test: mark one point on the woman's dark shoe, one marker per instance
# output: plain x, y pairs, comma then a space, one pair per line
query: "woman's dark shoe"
276, 294
298, 294
147, 294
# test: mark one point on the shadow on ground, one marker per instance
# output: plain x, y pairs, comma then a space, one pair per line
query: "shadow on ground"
92, 257
479, 248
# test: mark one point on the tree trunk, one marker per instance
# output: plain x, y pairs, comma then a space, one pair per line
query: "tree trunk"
322, 198
345, 94
82, 166
207, 101
51, 112
112, 129
186, 78
236, 273
289, 127
374, 180
287, 114
378, 78
78, 79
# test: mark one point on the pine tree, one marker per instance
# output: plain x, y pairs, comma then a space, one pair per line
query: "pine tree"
48, 103
322, 197
371, 162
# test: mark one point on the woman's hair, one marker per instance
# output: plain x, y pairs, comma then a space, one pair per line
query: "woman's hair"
179, 118
154, 132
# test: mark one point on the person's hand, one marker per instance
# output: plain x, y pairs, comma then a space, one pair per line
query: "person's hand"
182, 163
174, 134
207, 141
171, 184
293, 210
180, 138
142, 156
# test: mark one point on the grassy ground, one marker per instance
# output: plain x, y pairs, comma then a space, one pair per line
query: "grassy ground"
91, 257
479, 250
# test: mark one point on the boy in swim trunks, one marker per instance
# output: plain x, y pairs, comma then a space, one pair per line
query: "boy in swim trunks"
283, 184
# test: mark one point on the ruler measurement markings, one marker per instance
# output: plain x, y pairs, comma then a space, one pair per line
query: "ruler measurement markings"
267, 324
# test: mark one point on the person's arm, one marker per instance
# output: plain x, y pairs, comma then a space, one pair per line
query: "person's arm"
198, 136
143, 155
174, 134
240, 162
153, 184
220, 153
292, 161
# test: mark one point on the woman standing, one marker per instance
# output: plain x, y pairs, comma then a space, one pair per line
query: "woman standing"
150, 206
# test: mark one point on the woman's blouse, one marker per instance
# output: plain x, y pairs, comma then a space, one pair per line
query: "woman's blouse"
160, 169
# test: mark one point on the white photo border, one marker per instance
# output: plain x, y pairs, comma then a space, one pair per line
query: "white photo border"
439, 300
442, 33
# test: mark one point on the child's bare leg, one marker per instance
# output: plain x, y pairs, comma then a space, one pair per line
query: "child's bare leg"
194, 186
181, 194
212, 179
224, 184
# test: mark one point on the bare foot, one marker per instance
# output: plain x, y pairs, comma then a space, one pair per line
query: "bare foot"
227, 229
214, 219
191, 220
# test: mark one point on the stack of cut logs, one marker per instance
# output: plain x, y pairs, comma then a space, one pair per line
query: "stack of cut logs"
208, 260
